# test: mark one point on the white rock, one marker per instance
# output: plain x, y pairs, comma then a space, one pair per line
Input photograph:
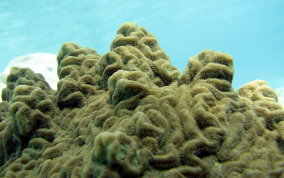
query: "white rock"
43, 63
280, 93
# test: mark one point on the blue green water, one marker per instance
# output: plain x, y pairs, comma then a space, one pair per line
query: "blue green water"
251, 31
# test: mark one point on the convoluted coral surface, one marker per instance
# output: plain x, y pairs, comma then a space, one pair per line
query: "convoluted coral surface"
130, 113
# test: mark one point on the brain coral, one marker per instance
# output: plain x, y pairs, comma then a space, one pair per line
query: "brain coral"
130, 113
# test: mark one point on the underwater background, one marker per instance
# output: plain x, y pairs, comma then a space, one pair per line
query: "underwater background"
250, 31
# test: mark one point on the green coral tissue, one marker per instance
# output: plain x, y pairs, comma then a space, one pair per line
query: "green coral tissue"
130, 113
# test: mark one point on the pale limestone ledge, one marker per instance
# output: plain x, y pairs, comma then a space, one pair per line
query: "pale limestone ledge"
280, 93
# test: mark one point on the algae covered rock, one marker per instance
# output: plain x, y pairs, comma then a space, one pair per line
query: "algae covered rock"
130, 113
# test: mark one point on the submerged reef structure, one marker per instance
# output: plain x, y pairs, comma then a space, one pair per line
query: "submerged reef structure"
130, 113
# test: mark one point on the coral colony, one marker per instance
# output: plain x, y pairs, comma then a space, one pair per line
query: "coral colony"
130, 113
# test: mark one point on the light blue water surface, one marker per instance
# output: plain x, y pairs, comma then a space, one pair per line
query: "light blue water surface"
251, 31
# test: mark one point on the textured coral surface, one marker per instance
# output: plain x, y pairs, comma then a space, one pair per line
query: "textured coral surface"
130, 113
